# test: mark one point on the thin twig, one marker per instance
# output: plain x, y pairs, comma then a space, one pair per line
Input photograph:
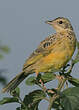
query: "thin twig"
21, 101
55, 96
46, 99
51, 101
44, 90
62, 84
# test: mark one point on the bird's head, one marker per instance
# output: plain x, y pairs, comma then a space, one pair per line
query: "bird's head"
60, 24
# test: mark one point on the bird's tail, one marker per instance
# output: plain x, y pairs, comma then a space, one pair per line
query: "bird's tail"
15, 82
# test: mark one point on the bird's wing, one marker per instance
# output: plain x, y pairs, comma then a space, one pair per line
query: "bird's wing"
43, 49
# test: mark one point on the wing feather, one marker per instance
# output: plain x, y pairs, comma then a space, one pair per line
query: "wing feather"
43, 49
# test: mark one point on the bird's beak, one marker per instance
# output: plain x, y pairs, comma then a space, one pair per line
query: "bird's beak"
49, 22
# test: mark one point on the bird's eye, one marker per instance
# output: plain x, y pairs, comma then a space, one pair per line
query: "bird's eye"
60, 22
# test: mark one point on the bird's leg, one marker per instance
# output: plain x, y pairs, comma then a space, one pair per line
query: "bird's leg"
63, 75
60, 79
36, 73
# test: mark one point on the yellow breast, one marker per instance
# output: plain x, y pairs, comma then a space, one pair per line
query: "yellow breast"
60, 55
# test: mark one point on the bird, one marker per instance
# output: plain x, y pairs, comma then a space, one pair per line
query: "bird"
52, 54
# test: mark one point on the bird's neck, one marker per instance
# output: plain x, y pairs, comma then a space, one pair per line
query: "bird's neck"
65, 31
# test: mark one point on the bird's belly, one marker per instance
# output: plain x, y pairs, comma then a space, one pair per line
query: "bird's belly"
55, 60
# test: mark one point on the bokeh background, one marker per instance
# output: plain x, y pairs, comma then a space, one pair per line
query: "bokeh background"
22, 28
